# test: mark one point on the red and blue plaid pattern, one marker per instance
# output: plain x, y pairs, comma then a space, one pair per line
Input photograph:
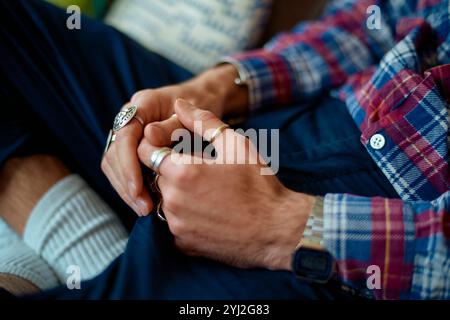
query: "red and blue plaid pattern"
396, 82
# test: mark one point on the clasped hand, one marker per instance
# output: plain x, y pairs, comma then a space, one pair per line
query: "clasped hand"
225, 211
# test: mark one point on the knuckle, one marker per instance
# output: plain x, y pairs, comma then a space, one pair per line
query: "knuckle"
181, 175
183, 245
104, 165
138, 94
142, 96
177, 227
185, 174
141, 151
179, 243
149, 130
170, 201
107, 159
154, 133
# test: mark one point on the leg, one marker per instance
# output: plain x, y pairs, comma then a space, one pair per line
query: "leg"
17, 199
71, 88
321, 153
63, 95
22, 271
16, 285
17, 195
62, 221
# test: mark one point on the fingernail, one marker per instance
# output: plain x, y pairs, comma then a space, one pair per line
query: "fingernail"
137, 210
143, 209
132, 190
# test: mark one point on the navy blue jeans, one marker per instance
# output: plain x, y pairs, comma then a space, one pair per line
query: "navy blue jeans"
60, 90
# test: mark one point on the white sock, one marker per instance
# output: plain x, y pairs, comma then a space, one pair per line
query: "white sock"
72, 226
17, 259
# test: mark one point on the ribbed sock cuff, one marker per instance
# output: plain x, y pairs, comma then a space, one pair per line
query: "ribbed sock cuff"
17, 259
72, 226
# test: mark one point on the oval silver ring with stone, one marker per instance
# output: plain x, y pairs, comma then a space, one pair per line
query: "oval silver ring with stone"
124, 117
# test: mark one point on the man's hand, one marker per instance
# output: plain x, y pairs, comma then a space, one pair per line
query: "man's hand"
228, 212
212, 90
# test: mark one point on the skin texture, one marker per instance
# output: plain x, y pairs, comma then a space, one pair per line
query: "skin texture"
213, 90
17, 286
258, 223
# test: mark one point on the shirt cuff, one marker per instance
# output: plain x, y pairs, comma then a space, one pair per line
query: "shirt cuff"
270, 77
365, 234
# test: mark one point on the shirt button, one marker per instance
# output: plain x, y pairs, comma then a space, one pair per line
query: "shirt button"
377, 141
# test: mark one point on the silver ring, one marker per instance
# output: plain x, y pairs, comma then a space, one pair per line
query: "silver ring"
157, 158
154, 185
160, 212
139, 119
124, 117
111, 138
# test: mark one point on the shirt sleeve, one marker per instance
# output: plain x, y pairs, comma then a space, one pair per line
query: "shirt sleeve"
317, 55
393, 248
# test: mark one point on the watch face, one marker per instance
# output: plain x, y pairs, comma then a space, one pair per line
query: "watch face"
313, 265
317, 263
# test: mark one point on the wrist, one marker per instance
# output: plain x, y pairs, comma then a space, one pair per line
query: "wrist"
220, 81
294, 212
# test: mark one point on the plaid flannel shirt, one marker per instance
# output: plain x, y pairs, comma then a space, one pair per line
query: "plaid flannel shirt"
395, 80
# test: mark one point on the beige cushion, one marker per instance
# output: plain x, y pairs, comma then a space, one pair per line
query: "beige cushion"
192, 33
196, 33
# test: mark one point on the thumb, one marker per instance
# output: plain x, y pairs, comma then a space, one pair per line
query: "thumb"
199, 121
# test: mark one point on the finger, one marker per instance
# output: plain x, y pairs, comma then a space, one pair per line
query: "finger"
145, 151
162, 206
140, 116
127, 165
109, 172
124, 161
144, 202
170, 166
152, 104
142, 199
159, 134
202, 122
